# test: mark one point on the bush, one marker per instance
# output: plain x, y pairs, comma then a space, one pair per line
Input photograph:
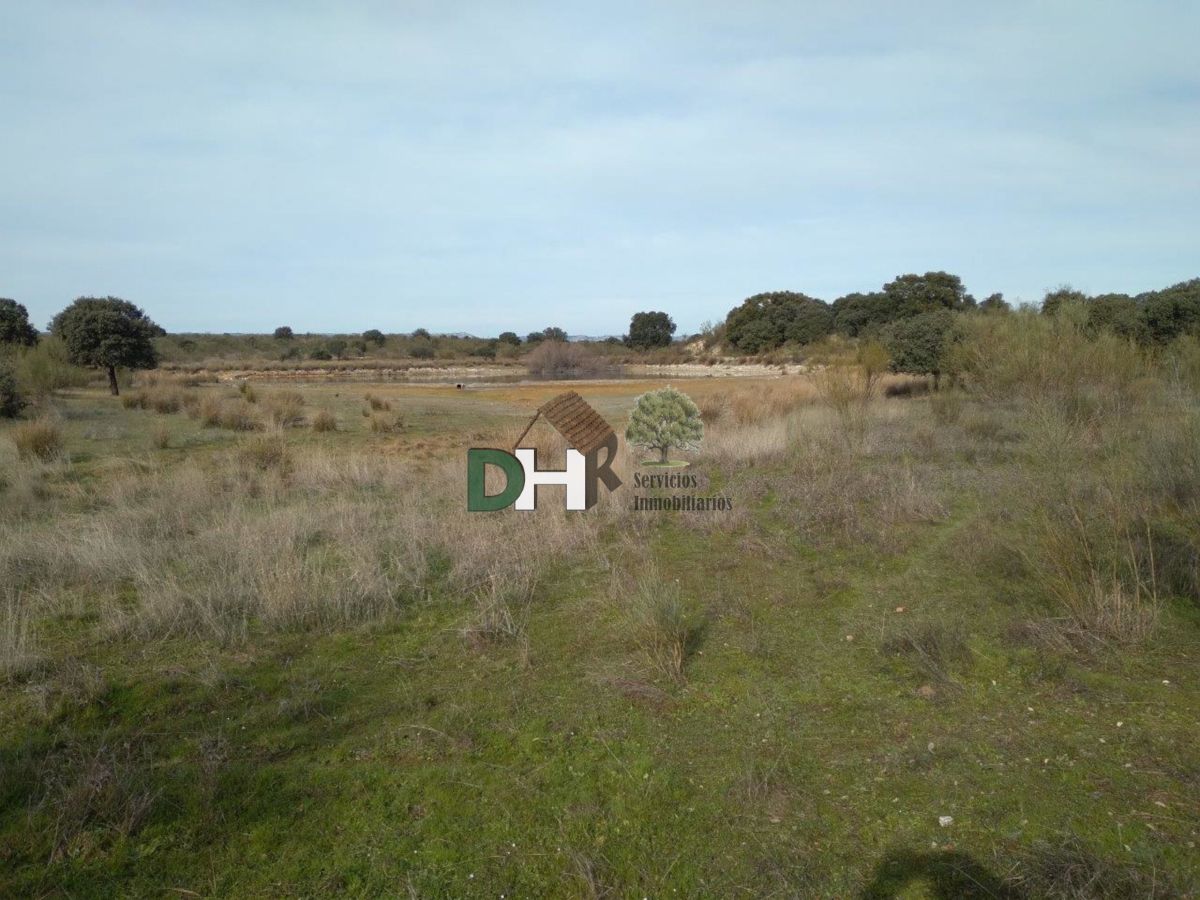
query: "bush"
324, 421
11, 402
41, 439
1049, 362
421, 351
386, 424
161, 438
561, 358
159, 399
921, 344
44, 368
285, 409
377, 404
233, 415
266, 453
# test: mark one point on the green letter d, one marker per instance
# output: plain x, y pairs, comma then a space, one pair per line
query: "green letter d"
477, 462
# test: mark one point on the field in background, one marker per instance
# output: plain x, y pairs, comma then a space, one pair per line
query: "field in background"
252, 644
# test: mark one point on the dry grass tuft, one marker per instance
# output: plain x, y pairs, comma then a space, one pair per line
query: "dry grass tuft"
266, 453
161, 396
386, 424
285, 409
234, 415
19, 654
935, 649
667, 625
377, 404
502, 608
41, 439
324, 421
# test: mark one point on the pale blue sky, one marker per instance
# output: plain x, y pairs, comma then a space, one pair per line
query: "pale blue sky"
484, 166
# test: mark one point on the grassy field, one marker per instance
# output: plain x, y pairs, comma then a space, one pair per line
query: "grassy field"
943, 645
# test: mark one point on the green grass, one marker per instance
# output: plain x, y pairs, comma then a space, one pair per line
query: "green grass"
799, 755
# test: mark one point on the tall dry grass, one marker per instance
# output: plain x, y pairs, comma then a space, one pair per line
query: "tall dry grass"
264, 538
18, 644
40, 439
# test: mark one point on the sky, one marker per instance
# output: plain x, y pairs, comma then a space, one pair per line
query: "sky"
481, 167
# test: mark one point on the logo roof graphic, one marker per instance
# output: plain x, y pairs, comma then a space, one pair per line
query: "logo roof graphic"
583, 427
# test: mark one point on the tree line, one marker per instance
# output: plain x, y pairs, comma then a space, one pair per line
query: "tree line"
914, 318
772, 320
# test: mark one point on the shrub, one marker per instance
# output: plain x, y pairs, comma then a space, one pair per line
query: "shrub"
11, 402
377, 404
44, 368
1086, 557
561, 358
285, 408
921, 344
265, 453
713, 407
386, 424
324, 421
161, 437
40, 439
421, 351
233, 415
160, 399
1049, 362
247, 391
843, 388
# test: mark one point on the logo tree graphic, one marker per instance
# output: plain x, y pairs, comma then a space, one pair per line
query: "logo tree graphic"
665, 419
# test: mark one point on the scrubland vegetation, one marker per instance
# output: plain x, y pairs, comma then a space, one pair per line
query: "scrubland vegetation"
251, 642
